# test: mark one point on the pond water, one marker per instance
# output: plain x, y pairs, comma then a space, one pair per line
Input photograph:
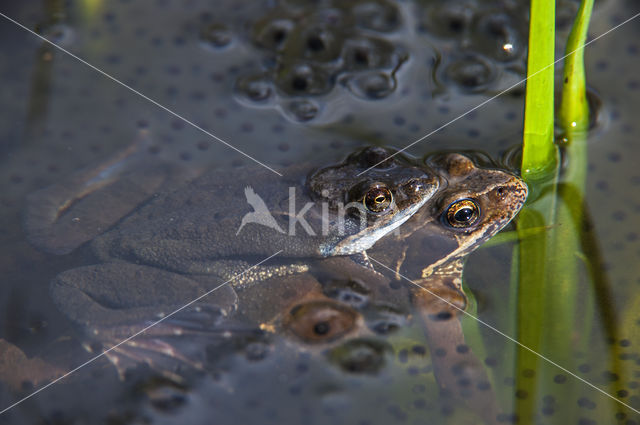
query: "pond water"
295, 84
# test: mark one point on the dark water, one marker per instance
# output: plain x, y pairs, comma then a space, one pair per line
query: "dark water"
265, 77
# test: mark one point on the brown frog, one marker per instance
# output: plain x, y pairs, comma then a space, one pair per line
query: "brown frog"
428, 254
161, 248
313, 310
164, 236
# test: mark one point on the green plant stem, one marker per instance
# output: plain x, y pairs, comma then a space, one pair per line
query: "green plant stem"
539, 153
548, 279
538, 164
574, 109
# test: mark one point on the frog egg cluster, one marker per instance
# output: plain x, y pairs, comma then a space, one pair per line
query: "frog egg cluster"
308, 51
479, 43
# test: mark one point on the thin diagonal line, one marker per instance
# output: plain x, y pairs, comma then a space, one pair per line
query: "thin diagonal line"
91, 360
139, 94
500, 94
508, 337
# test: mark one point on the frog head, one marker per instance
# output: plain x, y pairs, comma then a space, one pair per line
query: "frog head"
367, 196
472, 204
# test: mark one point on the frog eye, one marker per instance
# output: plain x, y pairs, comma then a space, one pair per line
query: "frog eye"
463, 213
378, 198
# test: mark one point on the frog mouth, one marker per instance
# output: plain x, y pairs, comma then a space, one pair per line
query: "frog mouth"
366, 238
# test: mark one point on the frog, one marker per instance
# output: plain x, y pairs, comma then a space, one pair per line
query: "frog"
336, 300
164, 244
316, 314
428, 253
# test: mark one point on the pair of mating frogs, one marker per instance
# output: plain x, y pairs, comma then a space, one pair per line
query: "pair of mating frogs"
163, 238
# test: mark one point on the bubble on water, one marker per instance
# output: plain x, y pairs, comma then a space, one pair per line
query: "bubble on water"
497, 36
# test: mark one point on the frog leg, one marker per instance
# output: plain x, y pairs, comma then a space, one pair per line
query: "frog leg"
67, 214
459, 373
114, 301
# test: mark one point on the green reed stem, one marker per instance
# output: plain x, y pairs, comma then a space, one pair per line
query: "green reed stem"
548, 291
539, 152
574, 110
539, 163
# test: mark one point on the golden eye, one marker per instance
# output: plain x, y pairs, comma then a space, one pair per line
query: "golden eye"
463, 213
377, 199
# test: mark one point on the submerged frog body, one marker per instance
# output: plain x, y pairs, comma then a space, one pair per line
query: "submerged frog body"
179, 243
